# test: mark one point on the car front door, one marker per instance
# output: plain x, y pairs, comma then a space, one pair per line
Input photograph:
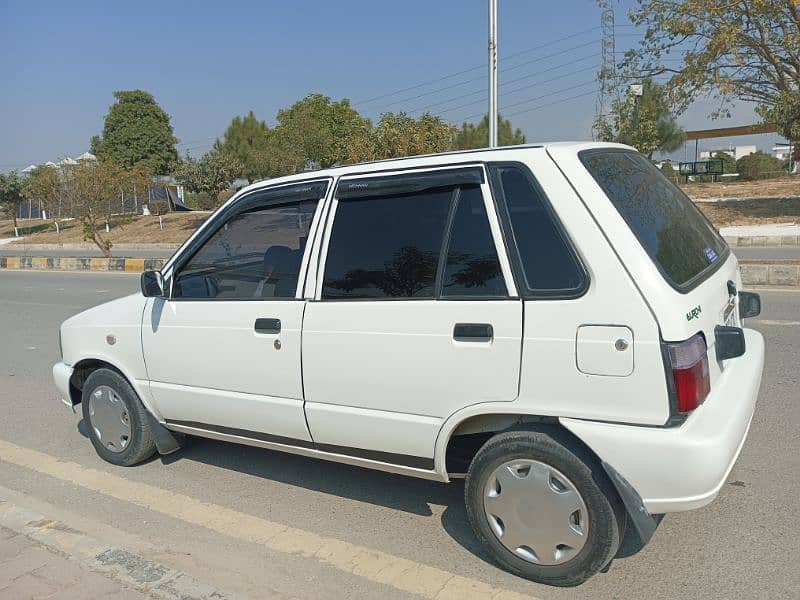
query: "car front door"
415, 314
223, 350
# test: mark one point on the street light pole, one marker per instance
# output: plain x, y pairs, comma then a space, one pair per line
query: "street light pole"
492, 73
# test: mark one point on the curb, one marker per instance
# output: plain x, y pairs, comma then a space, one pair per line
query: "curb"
763, 241
63, 263
131, 570
777, 273
784, 273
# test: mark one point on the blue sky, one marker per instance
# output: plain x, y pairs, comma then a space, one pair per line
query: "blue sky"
206, 62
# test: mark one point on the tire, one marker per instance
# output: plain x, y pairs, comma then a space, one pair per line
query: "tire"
561, 475
140, 443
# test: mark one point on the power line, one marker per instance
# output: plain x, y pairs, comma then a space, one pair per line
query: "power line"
511, 68
557, 101
469, 70
519, 89
566, 89
505, 83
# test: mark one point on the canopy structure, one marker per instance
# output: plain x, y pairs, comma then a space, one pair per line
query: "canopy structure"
86, 156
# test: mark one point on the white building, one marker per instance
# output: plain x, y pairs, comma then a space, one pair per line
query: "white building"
736, 152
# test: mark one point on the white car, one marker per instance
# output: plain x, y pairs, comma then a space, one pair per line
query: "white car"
557, 323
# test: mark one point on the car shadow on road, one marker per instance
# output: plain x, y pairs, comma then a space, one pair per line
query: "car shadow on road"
375, 487
397, 492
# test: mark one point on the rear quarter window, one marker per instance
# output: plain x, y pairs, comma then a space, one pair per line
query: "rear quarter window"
679, 239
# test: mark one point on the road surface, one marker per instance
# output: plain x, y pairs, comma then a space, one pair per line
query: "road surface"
265, 524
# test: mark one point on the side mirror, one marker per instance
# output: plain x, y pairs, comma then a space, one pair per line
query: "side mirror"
749, 305
152, 284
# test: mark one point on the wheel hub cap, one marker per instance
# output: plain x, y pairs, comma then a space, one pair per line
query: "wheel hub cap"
110, 419
536, 512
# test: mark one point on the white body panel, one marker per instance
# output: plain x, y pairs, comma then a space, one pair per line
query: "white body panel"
387, 378
207, 364
682, 468
399, 364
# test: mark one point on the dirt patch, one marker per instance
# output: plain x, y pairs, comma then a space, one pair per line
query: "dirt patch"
752, 212
778, 187
128, 229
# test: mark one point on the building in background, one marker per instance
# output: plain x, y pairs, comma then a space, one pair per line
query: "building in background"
736, 152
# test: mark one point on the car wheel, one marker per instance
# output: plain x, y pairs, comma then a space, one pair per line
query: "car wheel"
543, 507
117, 422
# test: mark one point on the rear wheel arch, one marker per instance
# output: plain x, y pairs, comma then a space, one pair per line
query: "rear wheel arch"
463, 438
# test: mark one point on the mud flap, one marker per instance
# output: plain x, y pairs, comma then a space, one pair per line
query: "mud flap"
643, 521
166, 441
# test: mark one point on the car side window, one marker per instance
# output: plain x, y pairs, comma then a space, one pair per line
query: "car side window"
386, 246
255, 255
549, 266
472, 268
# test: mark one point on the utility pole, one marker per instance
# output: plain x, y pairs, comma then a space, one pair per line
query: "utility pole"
492, 73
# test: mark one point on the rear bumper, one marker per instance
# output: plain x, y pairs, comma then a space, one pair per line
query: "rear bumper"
61, 375
682, 468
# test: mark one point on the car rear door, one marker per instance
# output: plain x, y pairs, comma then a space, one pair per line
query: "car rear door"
415, 314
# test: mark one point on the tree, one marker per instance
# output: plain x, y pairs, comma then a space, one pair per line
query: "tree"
646, 124
210, 175
321, 130
12, 193
44, 185
398, 134
247, 140
477, 136
758, 165
91, 187
137, 129
742, 49
728, 162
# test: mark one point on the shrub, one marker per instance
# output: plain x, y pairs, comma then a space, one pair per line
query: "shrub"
759, 165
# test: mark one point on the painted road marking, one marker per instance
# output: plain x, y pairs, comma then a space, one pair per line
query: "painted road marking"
776, 322
400, 573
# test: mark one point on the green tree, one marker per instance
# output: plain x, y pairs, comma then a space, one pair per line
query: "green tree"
728, 162
758, 165
646, 124
137, 129
398, 134
210, 175
739, 50
669, 172
320, 129
12, 192
477, 136
247, 140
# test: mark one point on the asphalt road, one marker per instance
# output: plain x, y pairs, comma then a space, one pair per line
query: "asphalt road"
221, 511
767, 253
14, 250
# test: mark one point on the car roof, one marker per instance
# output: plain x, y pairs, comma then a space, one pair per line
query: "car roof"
421, 160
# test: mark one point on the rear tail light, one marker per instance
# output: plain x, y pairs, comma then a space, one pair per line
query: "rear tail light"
689, 364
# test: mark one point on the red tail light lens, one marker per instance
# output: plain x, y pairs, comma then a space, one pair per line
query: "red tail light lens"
689, 362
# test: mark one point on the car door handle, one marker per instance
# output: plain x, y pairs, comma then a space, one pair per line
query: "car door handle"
473, 332
268, 326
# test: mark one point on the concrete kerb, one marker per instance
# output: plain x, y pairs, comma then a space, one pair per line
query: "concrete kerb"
764, 241
772, 273
67, 263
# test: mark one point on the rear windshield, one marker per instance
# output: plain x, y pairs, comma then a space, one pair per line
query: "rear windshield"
672, 230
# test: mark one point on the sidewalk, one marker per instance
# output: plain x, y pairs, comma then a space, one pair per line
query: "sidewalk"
42, 558
29, 570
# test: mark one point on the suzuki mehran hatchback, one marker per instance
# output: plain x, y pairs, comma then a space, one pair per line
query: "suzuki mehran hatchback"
559, 324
